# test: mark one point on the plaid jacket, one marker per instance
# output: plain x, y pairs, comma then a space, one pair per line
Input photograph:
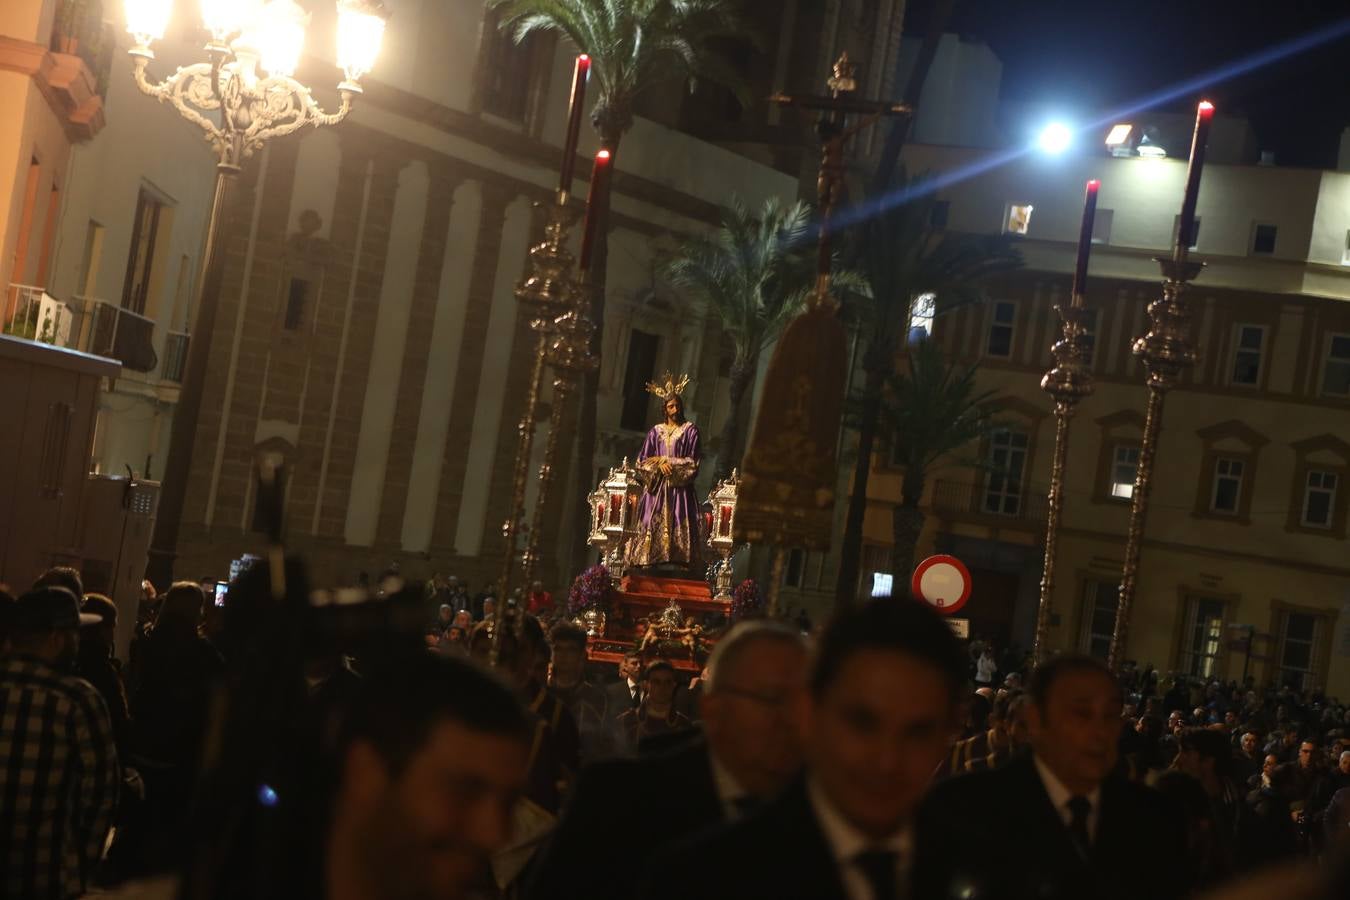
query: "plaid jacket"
58, 780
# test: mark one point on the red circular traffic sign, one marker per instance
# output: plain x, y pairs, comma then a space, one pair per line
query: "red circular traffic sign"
943, 582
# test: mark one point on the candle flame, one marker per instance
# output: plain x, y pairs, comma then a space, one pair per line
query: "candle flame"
1094, 183
1206, 106
603, 154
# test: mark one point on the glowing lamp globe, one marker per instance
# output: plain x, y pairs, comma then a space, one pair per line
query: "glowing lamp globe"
1055, 138
148, 19
224, 18
278, 36
360, 32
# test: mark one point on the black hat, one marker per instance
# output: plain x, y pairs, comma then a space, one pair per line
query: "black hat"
49, 608
101, 606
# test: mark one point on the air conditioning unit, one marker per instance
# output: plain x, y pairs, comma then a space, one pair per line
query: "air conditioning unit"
116, 522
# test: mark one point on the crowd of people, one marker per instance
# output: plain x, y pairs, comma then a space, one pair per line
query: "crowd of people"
874, 758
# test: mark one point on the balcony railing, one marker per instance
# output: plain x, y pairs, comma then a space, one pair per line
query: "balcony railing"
175, 356
79, 30
123, 335
31, 313
964, 499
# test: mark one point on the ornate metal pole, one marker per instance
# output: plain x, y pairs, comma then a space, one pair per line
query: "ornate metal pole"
1068, 382
251, 108
548, 293
1167, 351
569, 353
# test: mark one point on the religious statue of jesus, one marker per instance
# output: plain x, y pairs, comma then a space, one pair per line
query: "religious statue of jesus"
668, 515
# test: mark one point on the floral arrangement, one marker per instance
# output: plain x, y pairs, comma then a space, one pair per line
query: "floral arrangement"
746, 600
590, 590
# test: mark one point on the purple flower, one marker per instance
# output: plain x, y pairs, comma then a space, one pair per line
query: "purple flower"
590, 590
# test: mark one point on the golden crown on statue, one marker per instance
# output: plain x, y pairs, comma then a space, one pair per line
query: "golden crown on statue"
669, 387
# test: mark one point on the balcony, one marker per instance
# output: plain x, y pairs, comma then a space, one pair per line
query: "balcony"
1023, 510
120, 334
175, 356
33, 314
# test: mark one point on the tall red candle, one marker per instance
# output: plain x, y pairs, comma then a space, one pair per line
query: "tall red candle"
599, 184
1085, 242
1204, 115
574, 114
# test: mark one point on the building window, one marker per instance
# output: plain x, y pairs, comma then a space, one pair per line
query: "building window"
1001, 329
1018, 219
1263, 239
1247, 354
1195, 232
297, 298
921, 315
1007, 464
1336, 373
1099, 617
1124, 463
1299, 634
1202, 637
507, 71
1345, 251
1101, 226
141, 260
796, 565
642, 348
1319, 499
1227, 494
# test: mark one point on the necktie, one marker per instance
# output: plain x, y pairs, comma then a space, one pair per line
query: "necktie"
1079, 808
881, 869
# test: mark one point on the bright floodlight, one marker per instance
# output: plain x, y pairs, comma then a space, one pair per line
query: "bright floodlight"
147, 19
1118, 135
359, 33
1055, 138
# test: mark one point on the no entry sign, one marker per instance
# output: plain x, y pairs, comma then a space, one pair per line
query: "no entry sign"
942, 582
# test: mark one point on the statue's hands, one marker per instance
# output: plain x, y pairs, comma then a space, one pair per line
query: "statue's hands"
665, 468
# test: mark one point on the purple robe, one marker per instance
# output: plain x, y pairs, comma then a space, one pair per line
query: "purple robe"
668, 529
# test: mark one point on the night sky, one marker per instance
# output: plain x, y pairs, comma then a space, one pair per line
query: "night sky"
1096, 55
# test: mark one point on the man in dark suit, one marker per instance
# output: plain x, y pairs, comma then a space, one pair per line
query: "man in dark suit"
624, 810
626, 693
881, 711
1057, 825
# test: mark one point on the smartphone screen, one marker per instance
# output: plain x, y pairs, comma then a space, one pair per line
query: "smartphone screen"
221, 588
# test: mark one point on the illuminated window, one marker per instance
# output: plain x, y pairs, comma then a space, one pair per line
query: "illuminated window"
1124, 462
1018, 219
1202, 637
921, 318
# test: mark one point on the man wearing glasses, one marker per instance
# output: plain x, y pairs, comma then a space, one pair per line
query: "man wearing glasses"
623, 812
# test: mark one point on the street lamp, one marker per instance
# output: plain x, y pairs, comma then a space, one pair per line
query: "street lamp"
1055, 138
241, 97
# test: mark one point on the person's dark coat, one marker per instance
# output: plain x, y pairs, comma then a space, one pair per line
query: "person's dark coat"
776, 852
995, 835
621, 812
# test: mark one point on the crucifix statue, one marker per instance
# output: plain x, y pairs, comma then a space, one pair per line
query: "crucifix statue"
789, 472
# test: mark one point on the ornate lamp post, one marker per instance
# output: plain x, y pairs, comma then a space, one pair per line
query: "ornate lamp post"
1167, 351
1068, 382
242, 96
722, 499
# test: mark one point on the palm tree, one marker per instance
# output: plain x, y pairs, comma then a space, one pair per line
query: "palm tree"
927, 414
903, 256
749, 272
633, 44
